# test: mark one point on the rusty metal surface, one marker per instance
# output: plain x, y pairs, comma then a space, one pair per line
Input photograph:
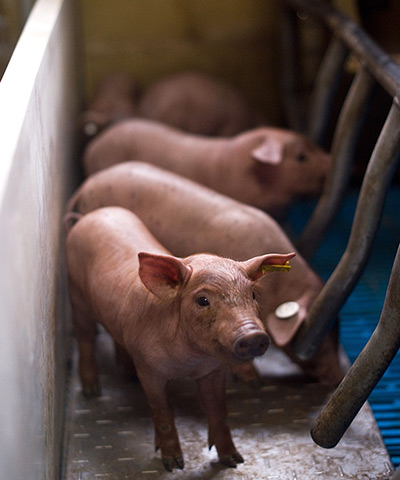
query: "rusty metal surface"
111, 437
366, 371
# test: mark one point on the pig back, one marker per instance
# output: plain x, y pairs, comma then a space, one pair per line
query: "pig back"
102, 257
112, 230
104, 245
189, 218
200, 104
156, 143
184, 216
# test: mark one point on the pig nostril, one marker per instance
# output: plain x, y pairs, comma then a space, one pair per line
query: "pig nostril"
262, 346
252, 345
243, 348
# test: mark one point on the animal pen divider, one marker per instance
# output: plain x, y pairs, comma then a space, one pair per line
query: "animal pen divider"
348, 42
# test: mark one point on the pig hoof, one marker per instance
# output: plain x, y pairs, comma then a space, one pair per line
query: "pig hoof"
169, 463
231, 460
238, 458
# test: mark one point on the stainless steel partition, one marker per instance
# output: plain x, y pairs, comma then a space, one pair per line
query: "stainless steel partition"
38, 110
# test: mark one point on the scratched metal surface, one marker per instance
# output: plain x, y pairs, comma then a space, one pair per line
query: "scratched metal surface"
111, 437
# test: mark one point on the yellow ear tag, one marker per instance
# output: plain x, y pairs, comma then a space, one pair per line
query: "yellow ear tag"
275, 268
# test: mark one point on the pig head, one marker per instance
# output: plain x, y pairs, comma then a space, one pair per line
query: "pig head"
199, 103
187, 217
175, 317
116, 98
266, 167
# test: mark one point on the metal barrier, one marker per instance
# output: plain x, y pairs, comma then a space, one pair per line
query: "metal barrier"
365, 372
375, 68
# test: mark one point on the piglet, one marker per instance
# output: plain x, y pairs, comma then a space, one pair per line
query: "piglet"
175, 317
187, 218
115, 98
266, 167
199, 103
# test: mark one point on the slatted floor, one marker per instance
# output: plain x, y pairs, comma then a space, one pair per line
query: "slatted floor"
362, 310
111, 437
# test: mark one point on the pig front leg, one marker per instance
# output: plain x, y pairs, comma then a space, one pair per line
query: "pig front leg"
248, 374
166, 435
213, 396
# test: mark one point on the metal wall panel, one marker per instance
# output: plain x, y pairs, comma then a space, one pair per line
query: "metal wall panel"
38, 108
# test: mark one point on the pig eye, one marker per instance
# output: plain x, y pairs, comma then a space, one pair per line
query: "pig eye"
203, 301
301, 157
254, 296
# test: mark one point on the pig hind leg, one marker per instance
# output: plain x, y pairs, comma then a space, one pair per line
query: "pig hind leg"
166, 435
212, 393
85, 332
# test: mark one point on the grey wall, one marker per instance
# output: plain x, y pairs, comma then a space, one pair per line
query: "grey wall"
38, 107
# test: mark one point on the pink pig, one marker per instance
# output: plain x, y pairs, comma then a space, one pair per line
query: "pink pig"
189, 218
266, 167
115, 98
175, 317
199, 103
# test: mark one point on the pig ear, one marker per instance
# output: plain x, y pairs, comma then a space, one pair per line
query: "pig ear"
258, 266
281, 330
163, 275
269, 152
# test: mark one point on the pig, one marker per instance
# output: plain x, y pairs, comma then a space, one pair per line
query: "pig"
268, 168
187, 218
199, 103
116, 98
176, 317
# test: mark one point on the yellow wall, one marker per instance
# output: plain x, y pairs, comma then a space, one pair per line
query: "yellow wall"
237, 40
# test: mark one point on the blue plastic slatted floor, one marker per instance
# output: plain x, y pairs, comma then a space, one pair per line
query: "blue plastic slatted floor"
362, 310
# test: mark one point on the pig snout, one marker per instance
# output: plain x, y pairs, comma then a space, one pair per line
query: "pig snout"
251, 344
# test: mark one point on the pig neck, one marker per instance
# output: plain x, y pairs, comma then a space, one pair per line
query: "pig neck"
170, 351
